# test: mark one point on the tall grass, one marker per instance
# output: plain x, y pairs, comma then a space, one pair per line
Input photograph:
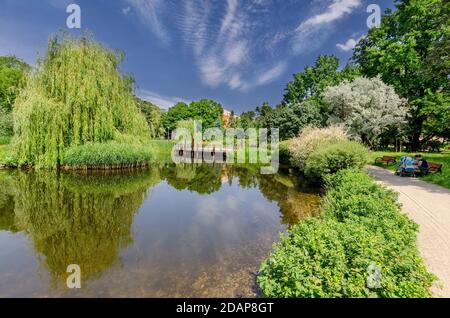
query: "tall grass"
109, 155
75, 95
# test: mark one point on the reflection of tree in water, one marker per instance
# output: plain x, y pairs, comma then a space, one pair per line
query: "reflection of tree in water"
82, 219
200, 178
294, 201
6, 204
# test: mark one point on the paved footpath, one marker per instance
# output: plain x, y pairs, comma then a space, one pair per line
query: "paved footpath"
429, 206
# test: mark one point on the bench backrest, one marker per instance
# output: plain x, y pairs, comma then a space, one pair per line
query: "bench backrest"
434, 166
388, 158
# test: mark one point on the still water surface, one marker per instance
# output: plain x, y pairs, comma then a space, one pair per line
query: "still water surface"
169, 231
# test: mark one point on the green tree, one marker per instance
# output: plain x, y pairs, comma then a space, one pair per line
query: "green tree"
209, 112
408, 51
170, 119
76, 95
12, 74
314, 79
153, 115
289, 119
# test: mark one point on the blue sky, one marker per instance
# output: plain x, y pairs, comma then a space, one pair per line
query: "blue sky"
238, 52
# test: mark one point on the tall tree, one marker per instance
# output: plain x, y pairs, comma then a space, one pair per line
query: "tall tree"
314, 79
12, 75
152, 114
408, 51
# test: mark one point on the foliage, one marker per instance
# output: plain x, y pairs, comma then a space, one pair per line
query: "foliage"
290, 119
309, 139
6, 123
111, 154
12, 73
153, 115
335, 155
332, 256
284, 152
76, 95
209, 112
408, 51
314, 79
367, 107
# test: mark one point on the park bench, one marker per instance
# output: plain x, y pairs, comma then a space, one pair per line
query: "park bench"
385, 160
434, 167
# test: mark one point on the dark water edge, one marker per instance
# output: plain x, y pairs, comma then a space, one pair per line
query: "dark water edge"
166, 231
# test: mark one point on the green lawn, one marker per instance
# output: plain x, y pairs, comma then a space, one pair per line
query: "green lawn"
442, 179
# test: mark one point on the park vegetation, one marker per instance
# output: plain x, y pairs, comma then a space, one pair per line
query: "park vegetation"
75, 96
361, 245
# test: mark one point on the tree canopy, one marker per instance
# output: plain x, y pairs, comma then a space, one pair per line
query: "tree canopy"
367, 108
75, 95
209, 112
12, 74
410, 52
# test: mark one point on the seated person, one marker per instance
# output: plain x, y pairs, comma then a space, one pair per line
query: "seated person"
407, 165
421, 163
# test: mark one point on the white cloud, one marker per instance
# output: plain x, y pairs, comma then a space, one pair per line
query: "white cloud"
348, 45
311, 33
126, 10
149, 12
165, 102
271, 74
335, 11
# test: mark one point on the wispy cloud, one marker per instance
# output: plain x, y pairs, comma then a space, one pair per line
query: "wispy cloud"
126, 10
165, 102
223, 51
312, 32
272, 74
349, 44
235, 42
149, 13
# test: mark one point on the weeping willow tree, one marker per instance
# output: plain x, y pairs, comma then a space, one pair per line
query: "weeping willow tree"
75, 95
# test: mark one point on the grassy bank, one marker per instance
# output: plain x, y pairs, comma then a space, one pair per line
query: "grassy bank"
442, 179
161, 150
360, 246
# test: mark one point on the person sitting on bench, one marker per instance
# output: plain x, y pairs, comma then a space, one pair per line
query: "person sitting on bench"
406, 166
421, 163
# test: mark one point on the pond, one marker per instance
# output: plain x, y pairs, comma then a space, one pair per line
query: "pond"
166, 231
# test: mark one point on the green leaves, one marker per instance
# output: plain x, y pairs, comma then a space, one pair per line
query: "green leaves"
75, 96
361, 228
106, 155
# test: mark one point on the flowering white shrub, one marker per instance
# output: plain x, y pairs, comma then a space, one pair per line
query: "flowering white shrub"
367, 107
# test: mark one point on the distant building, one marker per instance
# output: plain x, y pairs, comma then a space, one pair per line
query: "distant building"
226, 117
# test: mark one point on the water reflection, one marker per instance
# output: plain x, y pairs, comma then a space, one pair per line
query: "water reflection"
192, 230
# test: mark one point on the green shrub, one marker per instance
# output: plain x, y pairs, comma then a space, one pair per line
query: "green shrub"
109, 155
6, 123
361, 229
333, 156
308, 141
5, 140
284, 152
